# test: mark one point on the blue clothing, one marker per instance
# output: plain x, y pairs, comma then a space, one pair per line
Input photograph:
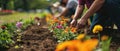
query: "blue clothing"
71, 5
108, 14
70, 12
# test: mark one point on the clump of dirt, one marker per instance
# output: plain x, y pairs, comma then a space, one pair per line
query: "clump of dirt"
37, 38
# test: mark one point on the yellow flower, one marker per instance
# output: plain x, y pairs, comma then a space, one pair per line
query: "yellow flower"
105, 37
97, 28
48, 17
80, 36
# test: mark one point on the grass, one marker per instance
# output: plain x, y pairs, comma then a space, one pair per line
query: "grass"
17, 16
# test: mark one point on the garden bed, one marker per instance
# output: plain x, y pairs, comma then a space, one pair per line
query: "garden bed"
40, 38
36, 38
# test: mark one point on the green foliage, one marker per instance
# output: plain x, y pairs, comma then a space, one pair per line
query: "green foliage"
10, 5
27, 23
7, 4
0, 3
32, 4
10, 27
10, 31
118, 49
106, 45
60, 33
25, 4
63, 36
5, 38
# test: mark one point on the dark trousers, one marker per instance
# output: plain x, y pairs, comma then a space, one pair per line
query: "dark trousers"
108, 15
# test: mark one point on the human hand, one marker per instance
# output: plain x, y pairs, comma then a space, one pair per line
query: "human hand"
81, 23
73, 23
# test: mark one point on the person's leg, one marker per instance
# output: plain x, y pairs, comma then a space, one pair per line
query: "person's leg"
101, 20
95, 21
106, 14
91, 18
114, 6
70, 12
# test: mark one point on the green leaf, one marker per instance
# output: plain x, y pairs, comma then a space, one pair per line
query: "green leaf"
118, 49
106, 45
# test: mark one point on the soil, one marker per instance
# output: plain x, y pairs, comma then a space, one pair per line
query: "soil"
36, 38
39, 38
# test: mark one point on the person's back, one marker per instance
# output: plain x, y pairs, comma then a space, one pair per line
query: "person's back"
106, 12
71, 5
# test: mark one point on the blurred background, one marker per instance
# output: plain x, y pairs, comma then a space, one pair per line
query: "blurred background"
13, 10
25, 5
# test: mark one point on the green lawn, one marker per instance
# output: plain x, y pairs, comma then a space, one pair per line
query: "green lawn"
17, 16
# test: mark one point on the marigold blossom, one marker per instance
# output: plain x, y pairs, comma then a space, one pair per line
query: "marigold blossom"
97, 28
73, 29
104, 37
77, 45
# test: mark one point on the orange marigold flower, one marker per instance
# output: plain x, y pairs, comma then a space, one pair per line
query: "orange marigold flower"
73, 29
62, 46
105, 37
68, 45
65, 19
97, 28
89, 45
77, 45
47, 19
56, 20
66, 29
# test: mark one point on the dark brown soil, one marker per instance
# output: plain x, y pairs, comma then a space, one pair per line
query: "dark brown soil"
36, 38
39, 38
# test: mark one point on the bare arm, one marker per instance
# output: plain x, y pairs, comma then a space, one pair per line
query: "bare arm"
79, 11
97, 4
64, 12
